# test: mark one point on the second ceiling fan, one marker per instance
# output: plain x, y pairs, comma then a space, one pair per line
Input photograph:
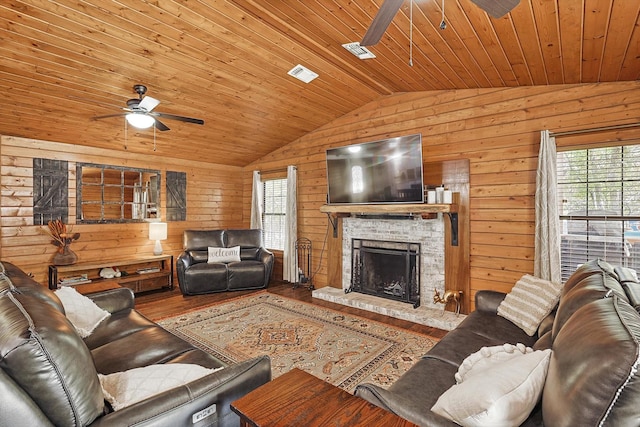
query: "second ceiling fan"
388, 10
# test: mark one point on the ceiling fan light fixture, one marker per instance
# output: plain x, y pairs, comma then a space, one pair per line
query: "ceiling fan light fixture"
140, 120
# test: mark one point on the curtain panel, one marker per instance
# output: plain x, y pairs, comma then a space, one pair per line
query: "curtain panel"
547, 244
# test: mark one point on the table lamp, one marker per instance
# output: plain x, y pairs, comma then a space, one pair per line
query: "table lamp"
157, 232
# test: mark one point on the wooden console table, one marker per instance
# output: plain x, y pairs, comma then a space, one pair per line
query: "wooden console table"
131, 278
297, 398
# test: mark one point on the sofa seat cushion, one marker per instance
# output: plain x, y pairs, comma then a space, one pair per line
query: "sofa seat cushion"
205, 277
246, 274
41, 351
479, 329
160, 346
119, 325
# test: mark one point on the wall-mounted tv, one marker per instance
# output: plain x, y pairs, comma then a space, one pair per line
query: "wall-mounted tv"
385, 171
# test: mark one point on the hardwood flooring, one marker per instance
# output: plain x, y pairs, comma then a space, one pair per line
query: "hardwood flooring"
165, 303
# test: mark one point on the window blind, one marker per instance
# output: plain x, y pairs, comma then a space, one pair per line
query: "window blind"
599, 206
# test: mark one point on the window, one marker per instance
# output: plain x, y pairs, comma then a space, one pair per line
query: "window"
599, 206
274, 213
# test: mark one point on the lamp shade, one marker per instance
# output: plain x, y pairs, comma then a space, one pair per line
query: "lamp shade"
157, 230
140, 120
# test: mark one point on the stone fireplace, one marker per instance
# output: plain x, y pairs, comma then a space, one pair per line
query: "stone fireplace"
427, 233
423, 236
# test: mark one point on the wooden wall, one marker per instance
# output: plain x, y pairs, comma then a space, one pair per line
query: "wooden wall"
214, 200
497, 130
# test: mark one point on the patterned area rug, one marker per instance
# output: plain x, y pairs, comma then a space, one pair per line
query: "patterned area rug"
339, 348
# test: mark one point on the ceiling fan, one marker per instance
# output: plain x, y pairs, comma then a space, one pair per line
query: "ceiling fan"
495, 8
139, 112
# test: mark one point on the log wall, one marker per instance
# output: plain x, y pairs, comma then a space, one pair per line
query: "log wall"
497, 130
214, 200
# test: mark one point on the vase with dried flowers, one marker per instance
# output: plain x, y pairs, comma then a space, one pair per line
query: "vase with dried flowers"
62, 236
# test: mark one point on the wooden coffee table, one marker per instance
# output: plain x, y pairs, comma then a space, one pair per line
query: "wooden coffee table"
300, 399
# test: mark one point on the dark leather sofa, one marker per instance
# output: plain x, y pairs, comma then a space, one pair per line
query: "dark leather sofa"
49, 374
594, 334
197, 276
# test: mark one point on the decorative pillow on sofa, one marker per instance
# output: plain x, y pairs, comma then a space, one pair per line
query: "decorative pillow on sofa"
529, 302
500, 393
81, 311
224, 254
122, 389
487, 357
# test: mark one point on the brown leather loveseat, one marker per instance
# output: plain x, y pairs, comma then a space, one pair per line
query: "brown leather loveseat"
592, 378
199, 274
49, 375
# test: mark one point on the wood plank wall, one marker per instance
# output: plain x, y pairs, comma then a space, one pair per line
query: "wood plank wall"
498, 130
214, 200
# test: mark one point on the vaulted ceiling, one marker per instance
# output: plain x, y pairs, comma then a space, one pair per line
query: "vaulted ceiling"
63, 62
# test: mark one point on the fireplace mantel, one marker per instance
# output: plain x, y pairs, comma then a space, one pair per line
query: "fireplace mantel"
423, 209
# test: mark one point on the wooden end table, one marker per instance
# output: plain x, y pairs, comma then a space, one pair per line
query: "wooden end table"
297, 398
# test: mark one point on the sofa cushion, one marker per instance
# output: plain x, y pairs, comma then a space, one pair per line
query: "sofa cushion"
41, 351
83, 313
199, 256
529, 302
502, 392
249, 238
200, 240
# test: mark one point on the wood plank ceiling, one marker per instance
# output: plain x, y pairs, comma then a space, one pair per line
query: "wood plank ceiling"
63, 62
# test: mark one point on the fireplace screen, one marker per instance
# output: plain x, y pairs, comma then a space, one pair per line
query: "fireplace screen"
386, 269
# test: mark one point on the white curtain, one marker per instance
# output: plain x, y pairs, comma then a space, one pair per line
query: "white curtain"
289, 257
547, 247
256, 201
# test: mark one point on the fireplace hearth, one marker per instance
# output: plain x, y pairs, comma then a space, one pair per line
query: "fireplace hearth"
386, 269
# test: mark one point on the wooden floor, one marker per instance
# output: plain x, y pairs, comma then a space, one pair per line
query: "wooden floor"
165, 303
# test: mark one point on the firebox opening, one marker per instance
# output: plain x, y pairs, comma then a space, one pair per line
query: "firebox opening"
386, 269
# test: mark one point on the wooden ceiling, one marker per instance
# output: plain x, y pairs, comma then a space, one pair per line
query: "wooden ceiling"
63, 62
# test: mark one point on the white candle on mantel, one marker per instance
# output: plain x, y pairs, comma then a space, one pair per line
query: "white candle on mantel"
447, 197
431, 197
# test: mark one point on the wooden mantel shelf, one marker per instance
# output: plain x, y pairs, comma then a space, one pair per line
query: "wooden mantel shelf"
423, 209
408, 208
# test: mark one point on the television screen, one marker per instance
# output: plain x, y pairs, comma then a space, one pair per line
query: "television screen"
386, 171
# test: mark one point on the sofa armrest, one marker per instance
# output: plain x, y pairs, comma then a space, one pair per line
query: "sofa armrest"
265, 255
177, 407
114, 300
489, 300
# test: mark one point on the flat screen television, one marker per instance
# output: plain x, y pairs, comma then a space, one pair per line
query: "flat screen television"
385, 171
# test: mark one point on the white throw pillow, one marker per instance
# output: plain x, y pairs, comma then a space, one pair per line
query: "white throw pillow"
486, 357
81, 311
122, 389
503, 393
529, 302
224, 254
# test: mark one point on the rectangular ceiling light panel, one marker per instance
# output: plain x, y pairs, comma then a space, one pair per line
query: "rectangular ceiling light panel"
302, 73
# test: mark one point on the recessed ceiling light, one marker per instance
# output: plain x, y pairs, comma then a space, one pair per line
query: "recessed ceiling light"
359, 51
302, 73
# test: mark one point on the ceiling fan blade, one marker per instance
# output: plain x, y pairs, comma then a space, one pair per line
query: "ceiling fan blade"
110, 115
182, 119
148, 103
380, 23
160, 126
496, 8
